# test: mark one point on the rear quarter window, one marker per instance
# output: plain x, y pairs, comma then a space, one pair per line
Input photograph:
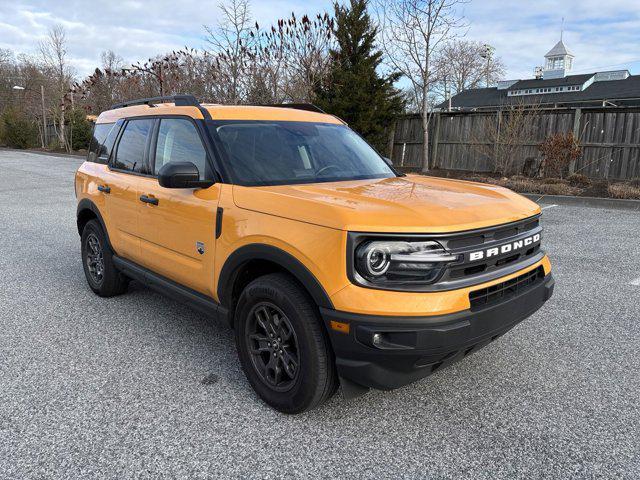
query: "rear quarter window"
100, 133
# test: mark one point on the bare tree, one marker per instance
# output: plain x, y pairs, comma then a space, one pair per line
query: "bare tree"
243, 64
292, 57
230, 44
54, 56
412, 32
460, 66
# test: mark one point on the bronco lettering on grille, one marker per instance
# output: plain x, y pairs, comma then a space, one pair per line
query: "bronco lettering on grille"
506, 248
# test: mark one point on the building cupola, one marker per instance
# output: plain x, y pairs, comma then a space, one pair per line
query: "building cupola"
558, 61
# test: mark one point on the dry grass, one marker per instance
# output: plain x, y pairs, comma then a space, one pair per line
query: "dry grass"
527, 185
554, 181
579, 180
624, 191
576, 184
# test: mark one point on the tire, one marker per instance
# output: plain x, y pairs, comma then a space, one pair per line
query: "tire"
97, 261
275, 303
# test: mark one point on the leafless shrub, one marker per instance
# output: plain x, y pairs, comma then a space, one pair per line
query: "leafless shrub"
502, 135
579, 180
559, 150
624, 191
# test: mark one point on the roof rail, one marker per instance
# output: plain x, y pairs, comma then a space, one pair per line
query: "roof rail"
178, 100
309, 107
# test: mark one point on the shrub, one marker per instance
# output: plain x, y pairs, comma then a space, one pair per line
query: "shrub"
17, 130
624, 191
559, 151
555, 181
579, 180
79, 131
635, 182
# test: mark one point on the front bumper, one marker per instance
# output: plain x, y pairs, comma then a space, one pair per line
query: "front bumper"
410, 348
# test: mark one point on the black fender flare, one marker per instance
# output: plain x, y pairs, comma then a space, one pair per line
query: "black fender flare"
86, 204
260, 251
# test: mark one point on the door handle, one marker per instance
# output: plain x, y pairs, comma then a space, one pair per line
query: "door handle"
147, 199
104, 188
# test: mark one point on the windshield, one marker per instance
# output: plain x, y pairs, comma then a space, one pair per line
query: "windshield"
277, 153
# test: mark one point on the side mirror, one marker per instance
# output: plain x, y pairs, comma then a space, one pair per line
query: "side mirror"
388, 161
181, 175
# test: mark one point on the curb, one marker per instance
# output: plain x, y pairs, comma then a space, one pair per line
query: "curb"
592, 202
74, 156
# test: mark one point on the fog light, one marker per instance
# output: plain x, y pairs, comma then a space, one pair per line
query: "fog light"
377, 339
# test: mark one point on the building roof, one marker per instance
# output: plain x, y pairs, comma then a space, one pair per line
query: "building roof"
551, 82
627, 91
559, 49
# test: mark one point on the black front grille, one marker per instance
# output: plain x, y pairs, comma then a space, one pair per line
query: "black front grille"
505, 290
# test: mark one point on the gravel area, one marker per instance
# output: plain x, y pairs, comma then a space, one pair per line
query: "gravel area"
140, 386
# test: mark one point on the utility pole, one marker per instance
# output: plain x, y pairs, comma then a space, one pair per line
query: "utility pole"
447, 93
44, 119
488, 55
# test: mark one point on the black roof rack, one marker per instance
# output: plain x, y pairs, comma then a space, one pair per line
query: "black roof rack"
309, 107
178, 100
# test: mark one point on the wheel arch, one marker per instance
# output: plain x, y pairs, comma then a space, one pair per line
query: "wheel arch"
251, 261
86, 211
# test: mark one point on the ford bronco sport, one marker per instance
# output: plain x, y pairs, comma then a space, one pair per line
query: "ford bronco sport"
330, 266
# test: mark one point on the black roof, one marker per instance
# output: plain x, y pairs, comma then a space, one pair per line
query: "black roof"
611, 90
552, 82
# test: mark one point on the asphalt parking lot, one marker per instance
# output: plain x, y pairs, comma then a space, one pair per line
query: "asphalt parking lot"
141, 386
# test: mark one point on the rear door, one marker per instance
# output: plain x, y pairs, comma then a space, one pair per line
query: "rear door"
177, 231
128, 165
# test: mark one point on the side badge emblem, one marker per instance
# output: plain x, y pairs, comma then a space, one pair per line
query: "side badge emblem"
200, 247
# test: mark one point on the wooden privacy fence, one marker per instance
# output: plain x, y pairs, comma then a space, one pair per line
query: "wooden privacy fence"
609, 137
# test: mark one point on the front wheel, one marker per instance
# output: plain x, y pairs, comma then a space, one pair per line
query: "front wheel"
282, 345
97, 260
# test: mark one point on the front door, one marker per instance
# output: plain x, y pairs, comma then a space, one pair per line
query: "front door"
127, 166
177, 230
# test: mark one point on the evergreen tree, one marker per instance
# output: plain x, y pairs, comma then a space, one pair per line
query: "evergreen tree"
354, 90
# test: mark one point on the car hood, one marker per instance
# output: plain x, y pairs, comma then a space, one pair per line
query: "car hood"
414, 203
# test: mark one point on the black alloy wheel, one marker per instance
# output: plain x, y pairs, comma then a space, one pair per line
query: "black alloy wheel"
274, 346
94, 258
283, 346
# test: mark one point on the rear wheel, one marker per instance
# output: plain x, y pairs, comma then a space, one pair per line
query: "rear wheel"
97, 260
282, 345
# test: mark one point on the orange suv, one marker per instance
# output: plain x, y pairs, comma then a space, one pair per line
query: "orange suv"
331, 267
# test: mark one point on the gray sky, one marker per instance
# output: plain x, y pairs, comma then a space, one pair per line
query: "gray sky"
602, 34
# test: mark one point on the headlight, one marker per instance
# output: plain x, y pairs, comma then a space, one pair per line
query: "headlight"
395, 262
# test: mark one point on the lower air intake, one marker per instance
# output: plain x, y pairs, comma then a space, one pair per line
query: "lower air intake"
505, 290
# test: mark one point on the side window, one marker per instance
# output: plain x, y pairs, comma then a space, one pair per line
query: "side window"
100, 132
130, 154
105, 149
179, 141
